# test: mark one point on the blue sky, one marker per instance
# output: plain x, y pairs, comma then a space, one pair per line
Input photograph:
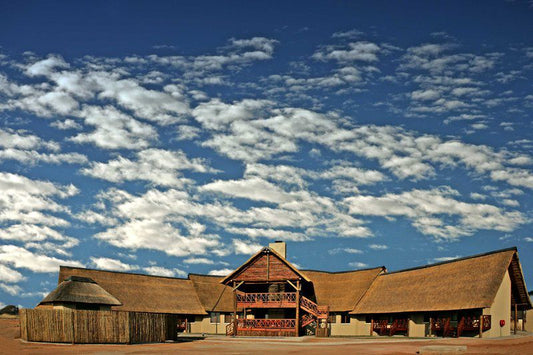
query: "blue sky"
182, 137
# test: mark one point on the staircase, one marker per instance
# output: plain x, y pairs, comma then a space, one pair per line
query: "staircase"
314, 313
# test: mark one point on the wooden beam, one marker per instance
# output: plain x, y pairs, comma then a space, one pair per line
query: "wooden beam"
297, 288
268, 266
235, 323
372, 326
236, 287
297, 306
515, 317
481, 326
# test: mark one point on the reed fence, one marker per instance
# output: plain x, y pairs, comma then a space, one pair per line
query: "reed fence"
97, 327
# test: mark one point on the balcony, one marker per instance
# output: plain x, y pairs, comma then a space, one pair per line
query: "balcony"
266, 300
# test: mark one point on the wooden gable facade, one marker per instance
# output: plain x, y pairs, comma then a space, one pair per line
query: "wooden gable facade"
265, 266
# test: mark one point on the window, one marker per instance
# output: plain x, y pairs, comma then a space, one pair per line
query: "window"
215, 317
345, 317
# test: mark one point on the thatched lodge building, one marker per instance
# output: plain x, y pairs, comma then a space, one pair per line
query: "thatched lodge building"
479, 295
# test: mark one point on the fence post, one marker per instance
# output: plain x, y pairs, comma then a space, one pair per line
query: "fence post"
129, 328
72, 316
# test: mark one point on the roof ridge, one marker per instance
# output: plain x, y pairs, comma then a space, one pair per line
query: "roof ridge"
368, 288
345, 271
122, 272
452, 261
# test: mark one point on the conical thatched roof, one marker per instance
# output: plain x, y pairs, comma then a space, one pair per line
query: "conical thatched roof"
143, 293
342, 290
459, 284
80, 290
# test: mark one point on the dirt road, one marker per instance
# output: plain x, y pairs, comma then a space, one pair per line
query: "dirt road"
11, 344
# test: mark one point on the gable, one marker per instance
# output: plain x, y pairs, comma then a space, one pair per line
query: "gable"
265, 266
460, 284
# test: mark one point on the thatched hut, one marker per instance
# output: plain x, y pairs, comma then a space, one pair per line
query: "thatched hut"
144, 293
78, 292
489, 285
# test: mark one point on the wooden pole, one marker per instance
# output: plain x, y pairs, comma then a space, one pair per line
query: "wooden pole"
515, 317
372, 326
72, 316
234, 309
481, 326
298, 308
430, 325
524, 319
268, 266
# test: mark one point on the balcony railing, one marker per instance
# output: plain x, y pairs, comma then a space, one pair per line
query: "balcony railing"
265, 324
320, 312
266, 300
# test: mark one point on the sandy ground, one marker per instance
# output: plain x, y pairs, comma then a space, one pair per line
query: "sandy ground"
10, 343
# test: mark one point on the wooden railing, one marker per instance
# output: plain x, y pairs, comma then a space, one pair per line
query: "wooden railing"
321, 312
399, 325
306, 320
470, 323
260, 300
264, 324
383, 327
442, 325
486, 322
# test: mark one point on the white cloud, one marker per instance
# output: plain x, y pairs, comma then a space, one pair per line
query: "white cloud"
161, 271
445, 258
156, 235
198, 261
378, 246
252, 188
430, 211
66, 124
11, 289
21, 258
9, 275
112, 264
161, 167
246, 247
220, 272
358, 264
46, 66
277, 234
114, 129
357, 51
344, 250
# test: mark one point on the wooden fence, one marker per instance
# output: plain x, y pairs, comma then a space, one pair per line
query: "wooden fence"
98, 327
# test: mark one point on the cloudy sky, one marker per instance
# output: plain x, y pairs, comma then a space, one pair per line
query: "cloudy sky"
182, 137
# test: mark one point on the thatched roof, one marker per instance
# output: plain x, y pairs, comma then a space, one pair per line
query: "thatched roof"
258, 255
80, 290
143, 293
214, 296
342, 290
459, 284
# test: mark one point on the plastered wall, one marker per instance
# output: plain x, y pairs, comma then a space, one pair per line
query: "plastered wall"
500, 310
202, 324
417, 327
